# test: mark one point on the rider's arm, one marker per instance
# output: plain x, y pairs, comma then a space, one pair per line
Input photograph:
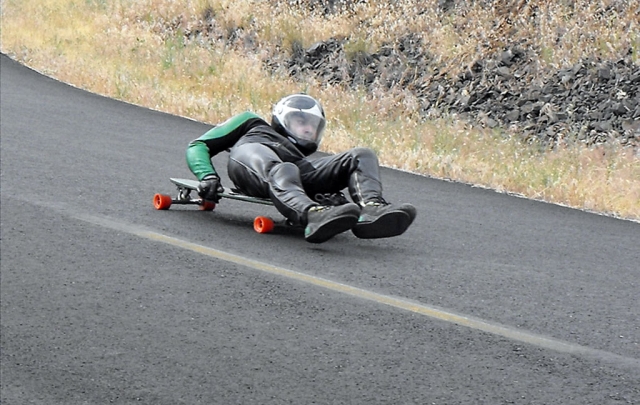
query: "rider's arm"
218, 139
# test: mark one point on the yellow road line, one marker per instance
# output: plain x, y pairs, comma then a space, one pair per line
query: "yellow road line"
396, 302
400, 303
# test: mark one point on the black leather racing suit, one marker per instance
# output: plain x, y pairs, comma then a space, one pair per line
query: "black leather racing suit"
264, 163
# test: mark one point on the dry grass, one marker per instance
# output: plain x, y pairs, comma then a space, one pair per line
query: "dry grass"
136, 51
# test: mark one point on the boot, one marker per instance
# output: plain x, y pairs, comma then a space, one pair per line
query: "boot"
379, 219
324, 222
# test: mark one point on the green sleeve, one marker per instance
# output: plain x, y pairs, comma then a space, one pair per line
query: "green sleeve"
218, 139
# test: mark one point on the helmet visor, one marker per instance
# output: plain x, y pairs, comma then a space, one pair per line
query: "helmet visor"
304, 126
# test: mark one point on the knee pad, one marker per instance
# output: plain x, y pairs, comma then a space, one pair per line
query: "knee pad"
364, 154
287, 194
285, 175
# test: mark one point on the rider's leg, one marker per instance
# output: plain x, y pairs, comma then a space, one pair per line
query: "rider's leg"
257, 170
358, 169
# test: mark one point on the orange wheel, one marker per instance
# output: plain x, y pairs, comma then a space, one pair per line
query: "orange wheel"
207, 206
162, 201
263, 224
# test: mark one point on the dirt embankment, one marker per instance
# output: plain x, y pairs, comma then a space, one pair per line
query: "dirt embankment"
593, 101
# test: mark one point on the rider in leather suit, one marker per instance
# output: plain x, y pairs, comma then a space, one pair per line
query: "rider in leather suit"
273, 161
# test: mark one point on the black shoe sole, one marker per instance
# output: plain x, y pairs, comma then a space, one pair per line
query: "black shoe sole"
391, 224
331, 228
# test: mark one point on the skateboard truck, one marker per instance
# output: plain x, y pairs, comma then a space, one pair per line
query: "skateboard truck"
261, 224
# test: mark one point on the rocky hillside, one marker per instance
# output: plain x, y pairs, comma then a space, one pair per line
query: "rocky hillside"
592, 101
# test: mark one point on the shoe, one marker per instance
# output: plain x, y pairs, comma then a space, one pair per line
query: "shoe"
324, 222
379, 219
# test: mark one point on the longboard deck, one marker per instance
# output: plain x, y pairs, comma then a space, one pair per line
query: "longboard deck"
234, 195
261, 224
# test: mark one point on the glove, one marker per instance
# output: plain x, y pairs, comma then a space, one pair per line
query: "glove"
210, 188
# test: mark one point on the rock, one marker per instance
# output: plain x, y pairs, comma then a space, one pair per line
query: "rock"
603, 126
504, 72
512, 115
604, 74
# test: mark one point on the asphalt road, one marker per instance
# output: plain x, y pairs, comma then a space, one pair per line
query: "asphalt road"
487, 299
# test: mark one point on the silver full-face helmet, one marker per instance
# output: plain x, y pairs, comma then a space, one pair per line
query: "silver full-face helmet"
301, 119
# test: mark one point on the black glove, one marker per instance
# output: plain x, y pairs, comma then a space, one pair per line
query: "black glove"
210, 188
